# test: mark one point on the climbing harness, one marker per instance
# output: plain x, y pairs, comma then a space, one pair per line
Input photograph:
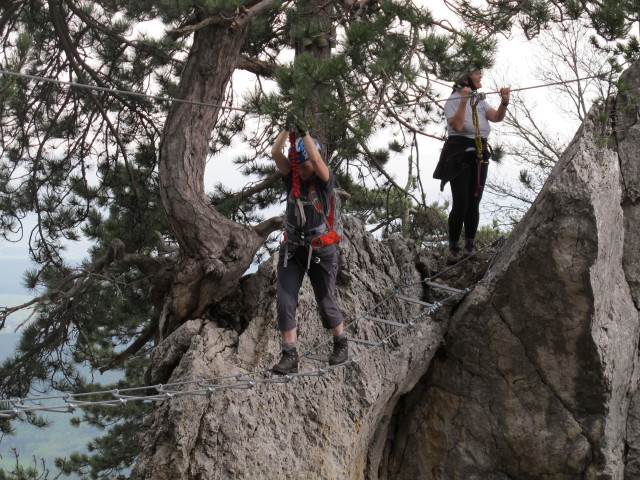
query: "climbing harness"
68, 403
475, 99
327, 233
296, 237
476, 125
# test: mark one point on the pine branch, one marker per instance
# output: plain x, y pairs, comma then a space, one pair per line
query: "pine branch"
408, 126
257, 188
158, 271
241, 17
9, 11
379, 167
79, 67
138, 45
162, 245
246, 15
189, 29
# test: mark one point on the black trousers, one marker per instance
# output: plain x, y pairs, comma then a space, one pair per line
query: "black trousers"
323, 280
466, 196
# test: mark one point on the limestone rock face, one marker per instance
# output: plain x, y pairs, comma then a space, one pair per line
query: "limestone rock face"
540, 364
533, 375
325, 427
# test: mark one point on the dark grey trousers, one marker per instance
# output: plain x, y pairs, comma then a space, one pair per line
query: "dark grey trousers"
323, 280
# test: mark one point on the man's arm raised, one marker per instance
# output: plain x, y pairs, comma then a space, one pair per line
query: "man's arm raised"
321, 169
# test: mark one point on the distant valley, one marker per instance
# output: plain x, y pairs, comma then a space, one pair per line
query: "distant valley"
58, 440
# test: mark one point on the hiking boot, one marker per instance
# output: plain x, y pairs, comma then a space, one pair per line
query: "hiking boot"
340, 352
288, 362
469, 247
454, 257
454, 253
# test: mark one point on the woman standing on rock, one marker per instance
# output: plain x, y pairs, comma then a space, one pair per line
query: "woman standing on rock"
308, 248
464, 160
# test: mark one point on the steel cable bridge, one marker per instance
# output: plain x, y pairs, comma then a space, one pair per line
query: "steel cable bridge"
69, 403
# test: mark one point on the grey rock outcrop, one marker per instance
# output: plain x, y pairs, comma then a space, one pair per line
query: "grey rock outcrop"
332, 426
533, 375
540, 364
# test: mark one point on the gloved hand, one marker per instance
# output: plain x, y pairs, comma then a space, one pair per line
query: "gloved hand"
300, 126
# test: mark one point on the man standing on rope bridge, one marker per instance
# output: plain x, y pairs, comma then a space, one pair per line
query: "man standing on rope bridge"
309, 246
464, 160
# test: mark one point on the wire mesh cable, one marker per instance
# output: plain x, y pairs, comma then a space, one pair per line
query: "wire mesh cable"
68, 403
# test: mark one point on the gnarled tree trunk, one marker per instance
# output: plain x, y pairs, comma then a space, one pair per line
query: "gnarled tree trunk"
215, 251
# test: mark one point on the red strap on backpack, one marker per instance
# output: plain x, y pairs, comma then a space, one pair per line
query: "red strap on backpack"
331, 236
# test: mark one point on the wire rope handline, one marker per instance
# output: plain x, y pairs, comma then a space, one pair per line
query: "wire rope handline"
226, 107
121, 92
248, 380
552, 84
